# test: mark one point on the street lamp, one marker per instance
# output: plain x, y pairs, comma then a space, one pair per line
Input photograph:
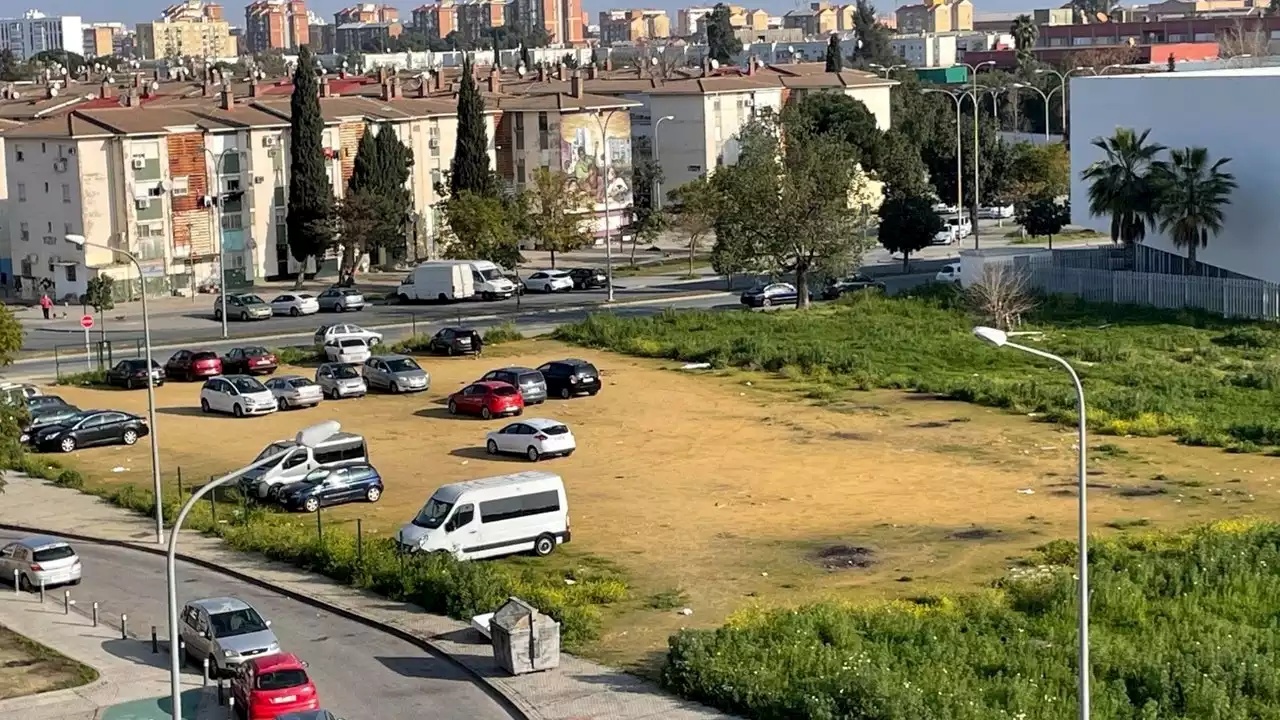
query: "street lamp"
215, 198
308, 437
1000, 339
603, 120
657, 182
1024, 86
1062, 85
81, 242
973, 77
886, 69
959, 167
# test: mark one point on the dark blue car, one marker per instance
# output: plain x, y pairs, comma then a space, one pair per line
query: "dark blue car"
770, 295
332, 485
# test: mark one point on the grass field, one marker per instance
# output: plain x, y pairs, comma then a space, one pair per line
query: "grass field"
28, 668
1076, 235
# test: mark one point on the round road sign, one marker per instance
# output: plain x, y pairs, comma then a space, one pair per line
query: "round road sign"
86, 321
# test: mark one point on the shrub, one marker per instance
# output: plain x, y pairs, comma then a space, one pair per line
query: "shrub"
413, 344
299, 355
506, 332
87, 377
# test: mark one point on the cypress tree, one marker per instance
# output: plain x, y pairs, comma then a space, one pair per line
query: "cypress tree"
470, 169
310, 194
367, 167
835, 61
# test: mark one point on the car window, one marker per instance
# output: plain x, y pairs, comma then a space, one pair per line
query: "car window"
181, 355
351, 342
401, 365
251, 298
473, 390
345, 372
537, 276
504, 391
554, 430
281, 679
463, 517
237, 622
55, 552
299, 382
255, 351
274, 384
283, 298
328, 293
90, 421
235, 353
109, 418
247, 385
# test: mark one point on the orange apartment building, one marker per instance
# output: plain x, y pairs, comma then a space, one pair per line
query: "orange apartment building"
276, 25
477, 18
366, 13
561, 20
436, 20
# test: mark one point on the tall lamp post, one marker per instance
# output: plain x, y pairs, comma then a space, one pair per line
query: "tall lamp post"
973, 78
657, 183
603, 120
1000, 339
1042, 94
81, 241
306, 437
956, 97
1062, 87
215, 200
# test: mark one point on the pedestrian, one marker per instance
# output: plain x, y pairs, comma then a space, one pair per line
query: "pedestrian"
478, 342
45, 304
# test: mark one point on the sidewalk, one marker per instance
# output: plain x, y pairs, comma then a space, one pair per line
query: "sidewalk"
132, 682
577, 690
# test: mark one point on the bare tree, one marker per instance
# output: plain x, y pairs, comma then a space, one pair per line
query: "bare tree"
1001, 295
1249, 45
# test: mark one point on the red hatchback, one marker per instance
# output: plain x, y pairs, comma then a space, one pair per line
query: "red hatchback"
193, 365
249, 360
488, 398
271, 685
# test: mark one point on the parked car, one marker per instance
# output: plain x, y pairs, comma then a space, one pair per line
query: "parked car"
239, 395
588, 278
327, 486
395, 373
571, 376
549, 281
348, 350
268, 686
456, 341
961, 225
950, 273
242, 307
130, 374
770, 295
945, 236
535, 438
853, 283
340, 300
294, 391
41, 562
90, 428
486, 399
492, 516
338, 380
1000, 212
291, 461
295, 304
16, 393
325, 333
227, 631
46, 413
41, 403
516, 280
192, 364
249, 360
532, 386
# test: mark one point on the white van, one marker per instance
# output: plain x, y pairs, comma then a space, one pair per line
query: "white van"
265, 481
438, 280
491, 517
489, 281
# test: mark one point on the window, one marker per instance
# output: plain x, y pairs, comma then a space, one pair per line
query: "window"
433, 139
44, 148
463, 517
18, 155
66, 229
232, 222
66, 193
518, 128
46, 188
50, 224
278, 198
282, 227
26, 268
544, 139
520, 171
71, 273
25, 230
230, 163
22, 192
181, 185
520, 506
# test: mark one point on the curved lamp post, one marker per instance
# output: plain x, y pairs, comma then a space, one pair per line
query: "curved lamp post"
603, 120
81, 242
657, 184
956, 97
1062, 86
977, 201
1000, 339
1024, 86
216, 198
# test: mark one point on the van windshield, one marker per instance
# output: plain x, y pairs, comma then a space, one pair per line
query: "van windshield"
433, 514
490, 274
272, 449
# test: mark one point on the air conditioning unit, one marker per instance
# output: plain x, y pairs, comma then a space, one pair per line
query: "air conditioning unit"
268, 142
142, 204
139, 163
272, 153
434, 143
60, 165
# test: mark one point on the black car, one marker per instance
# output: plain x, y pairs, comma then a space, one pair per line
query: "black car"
332, 486
770, 295
130, 374
47, 410
517, 281
93, 427
456, 341
588, 278
569, 377
853, 283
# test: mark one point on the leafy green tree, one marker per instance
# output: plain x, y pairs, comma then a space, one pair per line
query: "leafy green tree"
270, 62
841, 116
308, 221
470, 169
1120, 185
395, 161
360, 221
1191, 193
697, 206
901, 169
647, 219
483, 227
10, 68
1025, 32
874, 41
100, 295
558, 212
722, 45
10, 336
908, 224
1039, 171
1044, 217
835, 61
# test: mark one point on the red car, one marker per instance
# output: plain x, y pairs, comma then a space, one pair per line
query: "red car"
249, 360
488, 398
193, 365
271, 685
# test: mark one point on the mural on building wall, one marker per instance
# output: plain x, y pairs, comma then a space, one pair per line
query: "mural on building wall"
594, 165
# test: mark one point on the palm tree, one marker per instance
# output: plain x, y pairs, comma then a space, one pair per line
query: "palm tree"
1190, 196
1025, 32
1120, 185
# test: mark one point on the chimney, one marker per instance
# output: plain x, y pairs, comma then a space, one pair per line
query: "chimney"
592, 72
8, 91
608, 62
382, 75
206, 89
228, 98
106, 90
386, 90
253, 87
542, 73
575, 85
394, 83
131, 98
137, 81
423, 85
706, 66
325, 90
495, 80
437, 80
560, 71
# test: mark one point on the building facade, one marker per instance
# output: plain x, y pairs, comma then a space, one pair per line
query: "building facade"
276, 25
926, 49
366, 13
689, 21
630, 26
188, 29
33, 32
436, 20
103, 39
360, 35
936, 16
561, 20
477, 18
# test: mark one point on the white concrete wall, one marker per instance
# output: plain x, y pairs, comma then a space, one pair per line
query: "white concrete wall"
1217, 110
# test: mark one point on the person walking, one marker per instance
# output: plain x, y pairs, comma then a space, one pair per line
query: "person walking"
45, 304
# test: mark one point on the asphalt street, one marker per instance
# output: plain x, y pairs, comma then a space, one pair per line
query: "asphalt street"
359, 672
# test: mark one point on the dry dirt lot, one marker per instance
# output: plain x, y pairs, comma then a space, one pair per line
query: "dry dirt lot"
27, 668
715, 490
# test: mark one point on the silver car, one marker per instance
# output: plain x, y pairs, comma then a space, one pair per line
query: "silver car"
340, 300
339, 380
532, 385
294, 391
227, 631
242, 307
40, 560
395, 373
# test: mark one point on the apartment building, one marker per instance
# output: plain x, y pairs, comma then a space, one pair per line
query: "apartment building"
187, 29
276, 25
936, 16
817, 19
436, 20
689, 20
320, 34
926, 50
103, 39
629, 26
477, 18
33, 32
366, 13
561, 20
356, 36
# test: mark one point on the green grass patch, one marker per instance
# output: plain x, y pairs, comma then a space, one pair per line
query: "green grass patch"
1146, 372
86, 378
1182, 626
1065, 236
299, 355
1129, 523
666, 266
30, 664
668, 599
504, 333
413, 344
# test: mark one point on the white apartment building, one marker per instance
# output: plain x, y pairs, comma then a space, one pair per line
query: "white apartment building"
925, 50
34, 32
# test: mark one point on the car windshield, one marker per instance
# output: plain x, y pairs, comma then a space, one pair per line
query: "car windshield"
305, 296
204, 356
281, 679
250, 299
246, 384
403, 365
272, 449
554, 430
352, 342
315, 477
490, 274
256, 352
504, 390
433, 514
530, 378
45, 401
300, 382
49, 554
237, 622
345, 372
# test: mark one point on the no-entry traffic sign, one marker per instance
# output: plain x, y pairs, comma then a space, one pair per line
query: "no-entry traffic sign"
86, 321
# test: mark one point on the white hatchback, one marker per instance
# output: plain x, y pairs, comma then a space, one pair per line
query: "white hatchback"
348, 350
950, 273
535, 438
295, 304
239, 395
549, 281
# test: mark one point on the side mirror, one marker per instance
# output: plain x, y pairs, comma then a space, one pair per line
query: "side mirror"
268, 623
206, 635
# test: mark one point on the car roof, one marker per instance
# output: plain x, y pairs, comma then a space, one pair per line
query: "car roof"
452, 491
40, 542
216, 605
276, 661
539, 422
390, 356
459, 328
515, 369
492, 384
290, 377
572, 361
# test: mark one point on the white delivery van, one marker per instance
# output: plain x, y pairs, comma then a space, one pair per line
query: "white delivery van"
489, 281
266, 481
495, 516
438, 280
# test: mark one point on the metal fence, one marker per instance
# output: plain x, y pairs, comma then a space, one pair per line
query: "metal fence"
98, 355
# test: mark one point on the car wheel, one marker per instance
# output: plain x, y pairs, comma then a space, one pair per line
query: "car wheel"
519, 412
340, 308
24, 583
373, 494
491, 447
544, 545
237, 410
453, 408
130, 437
311, 505
394, 388
293, 311
565, 394
766, 302
592, 393
204, 405
217, 314
282, 405
533, 454
67, 444
214, 672
402, 299
484, 413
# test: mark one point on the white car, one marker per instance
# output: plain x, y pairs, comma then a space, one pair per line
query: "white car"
239, 395
295, 305
549, 281
945, 236
948, 274
346, 330
348, 350
1002, 212
294, 391
534, 438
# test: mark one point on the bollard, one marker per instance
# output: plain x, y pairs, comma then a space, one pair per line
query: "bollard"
180, 481
124, 627
16, 584
222, 700
42, 592
155, 640
66, 602
319, 527
231, 705
213, 504
205, 678
95, 614
359, 544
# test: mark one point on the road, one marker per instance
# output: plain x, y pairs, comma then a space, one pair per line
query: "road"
359, 672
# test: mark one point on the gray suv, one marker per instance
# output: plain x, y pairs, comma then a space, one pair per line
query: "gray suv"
227, 631
340, 300
532, 386
395, 373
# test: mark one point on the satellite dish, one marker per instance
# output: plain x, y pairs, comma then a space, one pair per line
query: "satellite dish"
1102, 17
653, 61
791, 48
1131, 42
155, 85
520, 70
16, 95
714, 63
53, 91
110, 79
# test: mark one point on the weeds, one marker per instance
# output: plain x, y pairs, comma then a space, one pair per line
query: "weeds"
506, 332
669, 599
299, 355
90, 378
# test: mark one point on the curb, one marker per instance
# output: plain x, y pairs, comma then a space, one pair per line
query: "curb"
517, 708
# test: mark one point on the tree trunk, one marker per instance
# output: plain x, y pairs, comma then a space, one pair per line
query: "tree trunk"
906, 262
1050, 241
553, 259
692, 247
728, 281
302, 274
634, 243
1191, 257
802, 285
